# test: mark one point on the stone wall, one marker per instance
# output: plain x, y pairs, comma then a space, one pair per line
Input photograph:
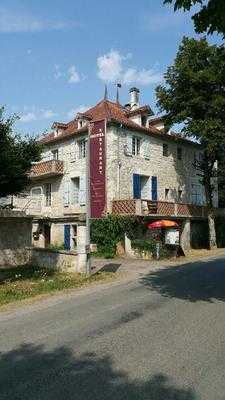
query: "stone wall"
15, 236
172, 173
57, 260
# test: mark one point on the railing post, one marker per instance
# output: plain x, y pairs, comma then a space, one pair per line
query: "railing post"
175, 209
138, 207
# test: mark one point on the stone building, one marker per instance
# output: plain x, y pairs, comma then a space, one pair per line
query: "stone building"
148, 172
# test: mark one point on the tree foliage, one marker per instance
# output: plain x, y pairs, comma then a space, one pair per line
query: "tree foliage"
16, 157
210, 18
194, 94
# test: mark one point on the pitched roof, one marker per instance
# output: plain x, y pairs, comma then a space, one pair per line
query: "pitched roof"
112, 112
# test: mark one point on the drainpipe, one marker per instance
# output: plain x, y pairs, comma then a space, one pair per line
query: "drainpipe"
118, 162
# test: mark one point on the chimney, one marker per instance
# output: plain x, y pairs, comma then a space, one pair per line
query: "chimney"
134, 97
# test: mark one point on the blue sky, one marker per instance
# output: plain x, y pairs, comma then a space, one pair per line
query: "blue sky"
56, 55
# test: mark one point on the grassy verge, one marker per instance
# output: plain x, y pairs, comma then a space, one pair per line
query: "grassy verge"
25, 282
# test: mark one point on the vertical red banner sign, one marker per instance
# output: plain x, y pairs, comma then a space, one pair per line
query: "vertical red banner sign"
97, 169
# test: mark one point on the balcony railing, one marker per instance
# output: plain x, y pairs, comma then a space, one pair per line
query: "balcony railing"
45, 169
157, 208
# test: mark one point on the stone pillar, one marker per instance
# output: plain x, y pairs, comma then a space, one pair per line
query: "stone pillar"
128, 249
185, 238
83, 257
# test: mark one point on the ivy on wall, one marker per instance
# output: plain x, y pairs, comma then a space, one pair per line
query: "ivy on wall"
107, 232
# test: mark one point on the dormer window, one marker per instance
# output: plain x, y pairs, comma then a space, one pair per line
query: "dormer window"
80, 123
143, 120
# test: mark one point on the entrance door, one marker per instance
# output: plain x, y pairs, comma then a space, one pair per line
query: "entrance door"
67, 237
47, 235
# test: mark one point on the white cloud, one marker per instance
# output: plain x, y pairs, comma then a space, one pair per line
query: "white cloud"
47, 114
36, 114
28, 117
111, 68
73, 75
15, 22
143, 77
80, 109
161, 21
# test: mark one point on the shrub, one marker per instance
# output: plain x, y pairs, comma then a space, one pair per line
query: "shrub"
108, 231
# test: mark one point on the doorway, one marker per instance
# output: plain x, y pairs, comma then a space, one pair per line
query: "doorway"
47, 235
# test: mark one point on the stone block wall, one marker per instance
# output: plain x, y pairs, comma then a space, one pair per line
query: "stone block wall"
15, 236
57, 260
172, 173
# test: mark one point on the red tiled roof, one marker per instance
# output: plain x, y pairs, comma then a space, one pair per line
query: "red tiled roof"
112, 112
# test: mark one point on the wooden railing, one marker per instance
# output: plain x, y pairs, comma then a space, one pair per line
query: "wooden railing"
159, 208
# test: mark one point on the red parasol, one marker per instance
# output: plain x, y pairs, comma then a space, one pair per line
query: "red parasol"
163, 223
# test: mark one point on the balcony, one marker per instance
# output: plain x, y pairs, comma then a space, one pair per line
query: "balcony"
46, 169
141, 207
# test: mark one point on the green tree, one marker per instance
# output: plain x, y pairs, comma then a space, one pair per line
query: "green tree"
210, 18
194, 94
16, 157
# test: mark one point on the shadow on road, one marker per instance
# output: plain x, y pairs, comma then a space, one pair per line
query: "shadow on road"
30, 372
194, 281
110, 267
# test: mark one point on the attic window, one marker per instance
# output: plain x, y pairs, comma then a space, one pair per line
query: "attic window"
80, 123
143, 120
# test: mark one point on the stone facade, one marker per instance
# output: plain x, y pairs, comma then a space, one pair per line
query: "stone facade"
172, 174
134, 146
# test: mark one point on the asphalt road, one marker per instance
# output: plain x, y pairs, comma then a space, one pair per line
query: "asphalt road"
161, 337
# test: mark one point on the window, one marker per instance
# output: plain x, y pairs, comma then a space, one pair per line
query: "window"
179, 153
165, 150
55, 154
48, 194
167, 194
143, 120
36, 192
180, 192
82, 148
136, 144
196, 196
75, 190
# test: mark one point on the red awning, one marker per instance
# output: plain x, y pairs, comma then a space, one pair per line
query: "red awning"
163, 223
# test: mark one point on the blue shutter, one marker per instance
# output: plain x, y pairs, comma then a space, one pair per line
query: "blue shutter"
154, 188
136, 186
67, 237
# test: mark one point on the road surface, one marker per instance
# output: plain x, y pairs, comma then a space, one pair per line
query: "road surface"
160, 336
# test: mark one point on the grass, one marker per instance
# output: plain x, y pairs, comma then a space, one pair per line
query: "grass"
24, 282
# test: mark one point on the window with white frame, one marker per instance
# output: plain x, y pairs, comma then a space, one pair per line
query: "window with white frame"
82, 148
75, 182
136, 145
48, 194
